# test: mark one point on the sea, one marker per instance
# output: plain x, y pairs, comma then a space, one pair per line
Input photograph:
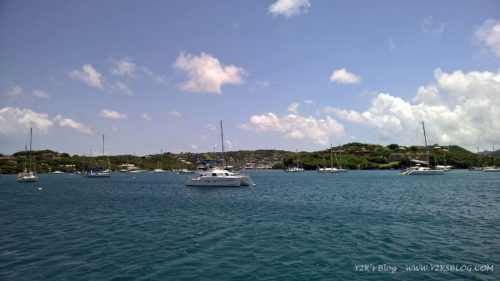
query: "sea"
360, 225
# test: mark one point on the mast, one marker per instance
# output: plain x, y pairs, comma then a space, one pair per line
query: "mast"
331, 157
161, 159
426, 149
222, 136
102, 144
31, 136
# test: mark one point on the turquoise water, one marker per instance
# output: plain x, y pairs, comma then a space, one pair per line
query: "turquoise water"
303, 226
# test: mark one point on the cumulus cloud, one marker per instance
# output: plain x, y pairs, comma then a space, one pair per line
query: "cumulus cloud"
289, 8
15, 120
88, 75
70, 123
458, 108
428, 25
295, 126
343, 76
111, 114
489, 34
206, 74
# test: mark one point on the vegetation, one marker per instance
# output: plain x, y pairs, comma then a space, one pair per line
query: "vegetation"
352, 156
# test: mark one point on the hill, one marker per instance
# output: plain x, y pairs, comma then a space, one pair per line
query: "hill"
352, 155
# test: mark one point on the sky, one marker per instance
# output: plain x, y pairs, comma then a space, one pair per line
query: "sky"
281, 74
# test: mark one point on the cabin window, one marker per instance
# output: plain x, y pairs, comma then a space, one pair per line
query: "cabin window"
214, 174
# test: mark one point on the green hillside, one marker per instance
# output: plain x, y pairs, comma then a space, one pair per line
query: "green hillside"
351, 155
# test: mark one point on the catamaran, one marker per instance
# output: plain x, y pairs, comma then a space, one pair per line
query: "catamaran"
418, 169
219, 177
27, 175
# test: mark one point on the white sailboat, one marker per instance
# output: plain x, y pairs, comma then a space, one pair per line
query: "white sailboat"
295, 168
332, 169
159, 168
27, 175
494, 168
478, 167
219, 177
419, 169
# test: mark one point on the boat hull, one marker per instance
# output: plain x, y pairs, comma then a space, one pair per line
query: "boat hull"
214, 181
423, 172
27, 179
329, 170
492, 170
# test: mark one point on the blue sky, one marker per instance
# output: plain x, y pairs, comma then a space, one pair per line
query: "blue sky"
287, 74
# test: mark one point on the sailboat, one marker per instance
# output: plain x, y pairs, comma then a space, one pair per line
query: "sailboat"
99, 173
478, 167
418, 169
159, 168
297, 168
219, 176
332, 169
494, 168
28, 175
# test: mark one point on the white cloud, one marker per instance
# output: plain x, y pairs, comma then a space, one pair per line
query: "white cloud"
70, 123
211, 127
39, 94
123, 67
194, 147
88, 75
108, 113
146, 117
296, 126
294, 107
489, 34
175, 113
344, 77
122, 88
15, 120
15, 92
428, 25
458, 108
289, 8
206, 74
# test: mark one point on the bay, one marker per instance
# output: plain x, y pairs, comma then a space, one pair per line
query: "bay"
361, 225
